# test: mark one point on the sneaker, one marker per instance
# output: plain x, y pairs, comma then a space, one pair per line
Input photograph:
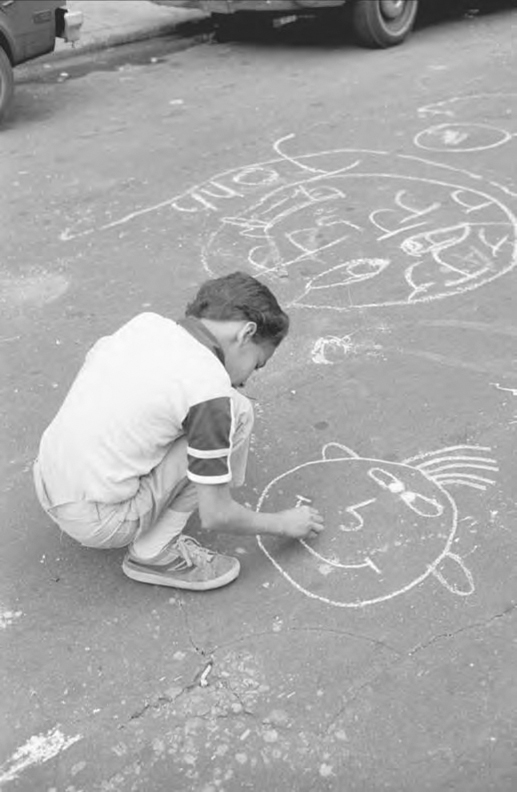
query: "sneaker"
191, 566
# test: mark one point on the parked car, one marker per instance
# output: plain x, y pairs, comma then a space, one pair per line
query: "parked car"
377, 23
28, 29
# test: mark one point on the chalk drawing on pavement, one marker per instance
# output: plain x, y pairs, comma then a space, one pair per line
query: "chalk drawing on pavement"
329, 350
460, 130
351, 229
388, 525
347, 229
495, 106
40, 748
461, 137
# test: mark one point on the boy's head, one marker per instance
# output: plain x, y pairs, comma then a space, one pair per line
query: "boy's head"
245, 317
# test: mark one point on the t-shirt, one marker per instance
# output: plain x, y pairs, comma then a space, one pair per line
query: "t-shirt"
139, 390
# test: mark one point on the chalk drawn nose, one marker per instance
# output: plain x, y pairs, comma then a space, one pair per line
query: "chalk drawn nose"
357, 521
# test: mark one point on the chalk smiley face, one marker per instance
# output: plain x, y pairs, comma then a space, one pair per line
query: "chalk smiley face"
389, 525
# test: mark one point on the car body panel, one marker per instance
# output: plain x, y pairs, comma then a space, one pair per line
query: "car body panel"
272, 6
28, 28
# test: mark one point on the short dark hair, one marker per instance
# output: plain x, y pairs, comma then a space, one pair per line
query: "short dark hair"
240, 296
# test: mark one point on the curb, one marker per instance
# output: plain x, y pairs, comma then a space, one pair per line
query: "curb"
163, 30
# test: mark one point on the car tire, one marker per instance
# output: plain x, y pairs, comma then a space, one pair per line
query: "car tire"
383, 23
6, 83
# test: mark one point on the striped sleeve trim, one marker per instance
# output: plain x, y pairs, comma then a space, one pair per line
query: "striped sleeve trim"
218, 452
209, 471
211, 480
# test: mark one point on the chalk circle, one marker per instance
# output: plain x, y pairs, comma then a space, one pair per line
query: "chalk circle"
388, 525
350, 229
461, 138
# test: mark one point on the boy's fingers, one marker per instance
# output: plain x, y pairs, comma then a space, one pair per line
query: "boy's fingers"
314, 532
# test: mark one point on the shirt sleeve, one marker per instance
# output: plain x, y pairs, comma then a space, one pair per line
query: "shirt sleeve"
209, 430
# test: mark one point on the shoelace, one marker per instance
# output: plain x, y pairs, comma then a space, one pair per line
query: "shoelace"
193, 552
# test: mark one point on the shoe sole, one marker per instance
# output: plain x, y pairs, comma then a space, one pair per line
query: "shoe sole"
155, 579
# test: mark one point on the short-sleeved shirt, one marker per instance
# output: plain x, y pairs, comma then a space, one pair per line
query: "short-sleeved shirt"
139, 390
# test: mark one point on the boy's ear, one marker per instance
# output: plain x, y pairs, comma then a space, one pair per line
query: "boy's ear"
247, 331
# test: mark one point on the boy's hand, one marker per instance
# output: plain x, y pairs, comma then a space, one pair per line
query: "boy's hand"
302, 522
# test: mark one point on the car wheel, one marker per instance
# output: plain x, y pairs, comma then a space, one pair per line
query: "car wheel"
6, 83
384, 23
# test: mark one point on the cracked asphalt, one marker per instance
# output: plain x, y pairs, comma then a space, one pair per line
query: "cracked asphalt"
377, 193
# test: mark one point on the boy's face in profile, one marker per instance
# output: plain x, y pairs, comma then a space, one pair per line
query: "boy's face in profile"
244, 357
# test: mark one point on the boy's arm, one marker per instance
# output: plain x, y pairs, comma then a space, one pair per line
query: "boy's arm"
218, 511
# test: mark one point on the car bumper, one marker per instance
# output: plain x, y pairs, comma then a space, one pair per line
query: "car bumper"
72, 23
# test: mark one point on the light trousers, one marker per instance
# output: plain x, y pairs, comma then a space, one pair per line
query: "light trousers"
166, 488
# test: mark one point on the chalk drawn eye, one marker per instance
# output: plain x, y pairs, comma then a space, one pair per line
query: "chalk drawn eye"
435, 241
387, 480
366, 268
425, 507
420, 504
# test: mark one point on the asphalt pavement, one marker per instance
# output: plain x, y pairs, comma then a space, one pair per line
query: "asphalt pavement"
376, 193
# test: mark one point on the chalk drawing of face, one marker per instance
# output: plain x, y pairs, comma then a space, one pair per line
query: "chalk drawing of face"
389, 525
347, 228
357, 240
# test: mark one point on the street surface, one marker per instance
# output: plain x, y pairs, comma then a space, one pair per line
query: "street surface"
376, 193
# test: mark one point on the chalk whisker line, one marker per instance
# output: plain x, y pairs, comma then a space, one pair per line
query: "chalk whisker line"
458, 459
472, 476
460, 482
466, 474
464, 447
462, 466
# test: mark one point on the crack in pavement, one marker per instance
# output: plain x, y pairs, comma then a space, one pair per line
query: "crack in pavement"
367, 679
381, 668
475, 626
184, 612
374, 672
348, 634
226, 685
159, 702
274, 633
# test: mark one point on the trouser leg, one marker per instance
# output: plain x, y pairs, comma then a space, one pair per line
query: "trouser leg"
163, 503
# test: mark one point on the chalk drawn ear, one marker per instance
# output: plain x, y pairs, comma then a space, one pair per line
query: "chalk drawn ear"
454, 575
338, 451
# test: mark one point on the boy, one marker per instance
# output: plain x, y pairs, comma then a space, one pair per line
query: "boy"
153, 427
